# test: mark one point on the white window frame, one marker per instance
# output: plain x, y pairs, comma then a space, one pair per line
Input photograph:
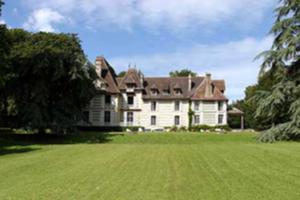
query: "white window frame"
130, 119
220, 105
153, 120
196, 105
198, 120
222, 119
153, 105
175, 120
130, 96
109, 121
177, 106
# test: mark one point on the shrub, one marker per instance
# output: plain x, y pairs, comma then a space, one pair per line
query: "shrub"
199, 128
223, 127
109, 128
173, 129
182, 128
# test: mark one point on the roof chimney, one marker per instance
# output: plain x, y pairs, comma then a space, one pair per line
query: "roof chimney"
208, 76
141, 75
190, 82
208, 86
98, 64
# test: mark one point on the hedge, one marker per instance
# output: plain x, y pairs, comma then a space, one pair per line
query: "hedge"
109, 128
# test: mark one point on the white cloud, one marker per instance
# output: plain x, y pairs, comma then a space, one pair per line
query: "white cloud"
44, 19
157, 14
2, 21
233, 61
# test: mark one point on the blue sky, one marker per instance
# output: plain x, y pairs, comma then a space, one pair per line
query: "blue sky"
157, 36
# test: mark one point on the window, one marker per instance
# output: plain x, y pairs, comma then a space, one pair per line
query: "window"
197, 119
153, 120
86, 115
153, 106
196, 106
130, 85
178, 91
220, 105
177, 120
130, 100
107, 116
220, 119
177, 106
129, 116
166, 92
107, 99
154, 92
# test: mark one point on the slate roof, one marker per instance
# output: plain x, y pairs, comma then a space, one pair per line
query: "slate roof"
108, 75
132, 76
201, 88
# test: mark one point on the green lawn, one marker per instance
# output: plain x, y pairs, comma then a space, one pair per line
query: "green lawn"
148, 166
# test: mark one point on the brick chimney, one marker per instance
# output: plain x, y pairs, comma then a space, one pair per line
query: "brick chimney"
208, 86
98, 64
141, 75
190, 82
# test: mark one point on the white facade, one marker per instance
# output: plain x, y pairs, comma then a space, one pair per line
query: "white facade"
143, 113
155, 102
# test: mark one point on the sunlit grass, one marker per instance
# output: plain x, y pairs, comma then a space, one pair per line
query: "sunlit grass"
149, 166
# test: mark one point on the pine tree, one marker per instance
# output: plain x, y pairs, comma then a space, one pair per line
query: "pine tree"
1, 4
281, 105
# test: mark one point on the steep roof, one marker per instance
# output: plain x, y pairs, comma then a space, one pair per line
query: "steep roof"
195, 88
219, 84
196, 92
209, 90
108, 75
169, 84
132, 76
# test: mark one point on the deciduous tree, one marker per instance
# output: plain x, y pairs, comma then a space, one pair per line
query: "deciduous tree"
122, 74
182, 73
53, 79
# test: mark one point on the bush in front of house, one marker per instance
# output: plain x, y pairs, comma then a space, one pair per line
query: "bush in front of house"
110, 128
173, 129
182, 129
207, 128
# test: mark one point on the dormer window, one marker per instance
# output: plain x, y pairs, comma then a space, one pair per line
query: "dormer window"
178, 91
166, 92
154, 89
130, 85
154, 92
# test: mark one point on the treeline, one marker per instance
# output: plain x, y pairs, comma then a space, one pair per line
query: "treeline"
45, 80
273, 104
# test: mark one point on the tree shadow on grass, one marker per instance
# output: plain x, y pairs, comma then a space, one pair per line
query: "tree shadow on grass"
11, 142
7, 150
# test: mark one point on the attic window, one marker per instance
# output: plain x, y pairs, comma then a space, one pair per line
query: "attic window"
178, 91
154, 92
130, 85
166, 92
193, 85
